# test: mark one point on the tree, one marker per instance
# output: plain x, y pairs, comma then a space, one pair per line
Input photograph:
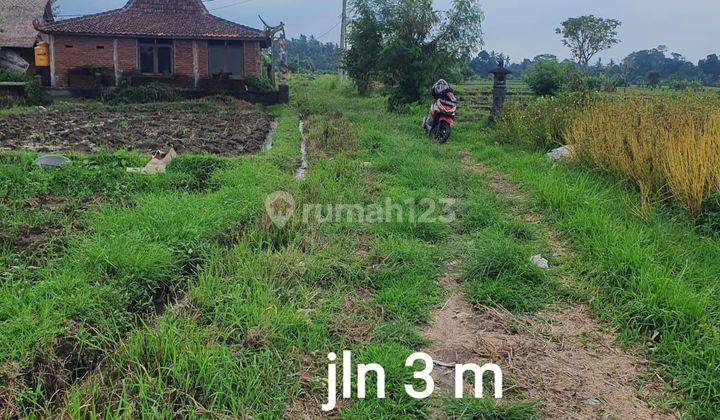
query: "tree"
307, 54
653, 79
486, 61
711, 67
586, 36
419, 43
365, 36
547, 76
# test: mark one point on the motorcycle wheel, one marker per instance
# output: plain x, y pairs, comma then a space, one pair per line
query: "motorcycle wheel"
442, 133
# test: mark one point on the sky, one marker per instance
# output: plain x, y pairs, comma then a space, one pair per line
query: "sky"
519, 28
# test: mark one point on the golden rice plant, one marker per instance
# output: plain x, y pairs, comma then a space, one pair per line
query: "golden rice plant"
668, 145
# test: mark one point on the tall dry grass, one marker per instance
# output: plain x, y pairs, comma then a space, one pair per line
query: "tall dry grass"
668, 145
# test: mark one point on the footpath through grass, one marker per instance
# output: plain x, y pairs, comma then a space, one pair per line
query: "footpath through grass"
655, 279
188, 302
191, 302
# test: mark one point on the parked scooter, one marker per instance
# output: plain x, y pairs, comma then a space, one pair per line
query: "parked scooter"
442, 112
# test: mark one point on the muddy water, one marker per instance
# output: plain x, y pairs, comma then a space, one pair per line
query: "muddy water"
269, 139
302, 170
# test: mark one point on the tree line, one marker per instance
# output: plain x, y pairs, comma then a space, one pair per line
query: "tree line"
646, 67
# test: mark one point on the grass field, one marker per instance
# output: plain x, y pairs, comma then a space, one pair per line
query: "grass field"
176, 295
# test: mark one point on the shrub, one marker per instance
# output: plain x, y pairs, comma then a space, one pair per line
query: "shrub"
35, 95
7, 75
540, 124
258, 84
602, 83
153, 92
683, 84
668, 145
548, 77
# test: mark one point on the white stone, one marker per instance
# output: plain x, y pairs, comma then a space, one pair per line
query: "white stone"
541, 262
561, 153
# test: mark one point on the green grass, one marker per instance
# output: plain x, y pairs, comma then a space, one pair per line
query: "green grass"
179, 298
499, 272
653, 277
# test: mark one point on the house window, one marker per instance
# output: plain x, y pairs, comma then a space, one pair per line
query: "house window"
156, 56
226, 58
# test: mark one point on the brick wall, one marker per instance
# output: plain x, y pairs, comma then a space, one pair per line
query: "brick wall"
203, 56
183, 58
73, 52
252, 59
127, 55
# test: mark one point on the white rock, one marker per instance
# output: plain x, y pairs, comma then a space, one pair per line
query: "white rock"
561, 153
541, 262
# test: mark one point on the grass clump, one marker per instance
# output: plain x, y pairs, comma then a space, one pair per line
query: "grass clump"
541, 123
152, 92
486, 409
500, 273
667, 145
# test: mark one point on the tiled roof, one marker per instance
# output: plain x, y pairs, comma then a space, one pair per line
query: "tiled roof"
185, 19
16, 21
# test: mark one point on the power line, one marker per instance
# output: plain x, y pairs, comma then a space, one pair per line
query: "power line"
231, 5
329, 30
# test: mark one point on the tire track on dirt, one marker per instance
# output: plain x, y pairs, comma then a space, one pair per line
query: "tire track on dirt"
559, 356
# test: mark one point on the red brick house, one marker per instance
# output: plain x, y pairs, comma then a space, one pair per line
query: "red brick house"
176, 40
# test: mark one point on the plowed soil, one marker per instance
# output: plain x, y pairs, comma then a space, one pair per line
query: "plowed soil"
222, 128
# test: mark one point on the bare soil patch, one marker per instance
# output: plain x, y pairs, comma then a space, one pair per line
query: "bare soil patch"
27, 240
226, 129
560, 356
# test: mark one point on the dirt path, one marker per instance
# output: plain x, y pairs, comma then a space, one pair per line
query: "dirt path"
559, 356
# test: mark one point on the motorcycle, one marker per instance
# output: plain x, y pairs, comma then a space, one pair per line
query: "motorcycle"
441, 118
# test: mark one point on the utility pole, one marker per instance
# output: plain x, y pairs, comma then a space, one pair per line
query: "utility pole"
343, 39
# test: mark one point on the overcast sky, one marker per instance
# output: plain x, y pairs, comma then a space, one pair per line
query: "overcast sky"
520, 28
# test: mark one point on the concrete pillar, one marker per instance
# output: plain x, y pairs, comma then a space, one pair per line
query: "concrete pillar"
196, 63
53, 79
116, 63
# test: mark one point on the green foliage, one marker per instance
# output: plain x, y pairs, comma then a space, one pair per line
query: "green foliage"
548, 77
540, 125
653, 78
7, 75
683, 84
361, 61
153, 92
310, 55
258, 84
601, 82
418, 43
586, 36
35, 95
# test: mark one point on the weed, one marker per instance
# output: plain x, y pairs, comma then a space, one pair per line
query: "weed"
153, 92
499, 272
541, 123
